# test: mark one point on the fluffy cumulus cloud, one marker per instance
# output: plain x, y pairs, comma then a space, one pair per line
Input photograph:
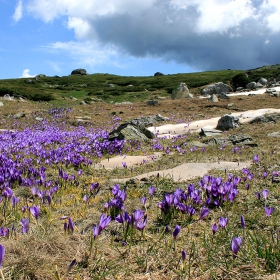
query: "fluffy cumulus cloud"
18, 11
25, 74
205, 34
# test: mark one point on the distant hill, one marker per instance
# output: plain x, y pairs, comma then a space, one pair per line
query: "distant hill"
109, 87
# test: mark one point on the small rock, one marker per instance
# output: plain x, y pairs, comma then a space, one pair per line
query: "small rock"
274, 134
227, 121
19, 115
1, 104
152, 102
205, 131
39, 119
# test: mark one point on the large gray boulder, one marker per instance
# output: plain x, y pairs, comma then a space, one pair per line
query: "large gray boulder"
263, 81
129, 131
181, 92
227, 122
216, 88
79, 71
252, 85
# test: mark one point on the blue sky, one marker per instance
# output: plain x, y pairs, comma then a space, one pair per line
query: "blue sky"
136, 38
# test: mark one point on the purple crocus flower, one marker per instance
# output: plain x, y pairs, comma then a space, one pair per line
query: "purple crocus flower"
152, 190
268, 210
204, 212
256, 158
176, 231
215, 228
70, 225
184, 255
242, 220
265, 174
2, 254
144, 200
142, 224
138, 214
4, 231
35, 211
265, 193
223, 222
103, 223
25, 225
235, 245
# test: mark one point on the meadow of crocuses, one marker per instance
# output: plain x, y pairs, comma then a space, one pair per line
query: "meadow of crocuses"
63, 219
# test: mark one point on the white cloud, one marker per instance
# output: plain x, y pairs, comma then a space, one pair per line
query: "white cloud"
201, 33
54, 65
25, 74
18, 11
270, 14
86, 53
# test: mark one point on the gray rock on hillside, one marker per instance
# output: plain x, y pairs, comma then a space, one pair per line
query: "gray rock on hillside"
79, 71
216, 88
181, 92
252, 85
129, 131
227, 122
263, 81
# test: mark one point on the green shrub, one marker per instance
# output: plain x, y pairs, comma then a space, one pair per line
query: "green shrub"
240, 80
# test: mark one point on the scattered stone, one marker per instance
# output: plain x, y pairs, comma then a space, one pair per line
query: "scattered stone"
181, 92
83, 102
262, 81
19, 115
227, 122
73, 98
110, 85
239, 89
7, 97
276, 94
274, 134
22, 100
206, 131
39, 76
214, 98
223, 96
230, 105
29, 81
152, 102
270, 90
251, 85
237, 139
79, 71
216, 88
1, 104
161, 97
129, 131
39, 119
266, 119
123, 103
158, 74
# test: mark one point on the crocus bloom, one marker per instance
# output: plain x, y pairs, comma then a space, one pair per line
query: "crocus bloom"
265, 194
223, 222
265, 174
184, 255
204, 212
35, 211
103, 223
4, 231
242, 220
70, 225
215, 228
235, 245
25, 225
256, 158
2, 254
268, 210
152, 190
142, 224
176, 231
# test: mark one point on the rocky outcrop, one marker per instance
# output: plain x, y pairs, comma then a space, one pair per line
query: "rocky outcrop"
181, 92
216, 88
263, 81
79, 71
227, 122
158, 74
252, 85
136, 129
